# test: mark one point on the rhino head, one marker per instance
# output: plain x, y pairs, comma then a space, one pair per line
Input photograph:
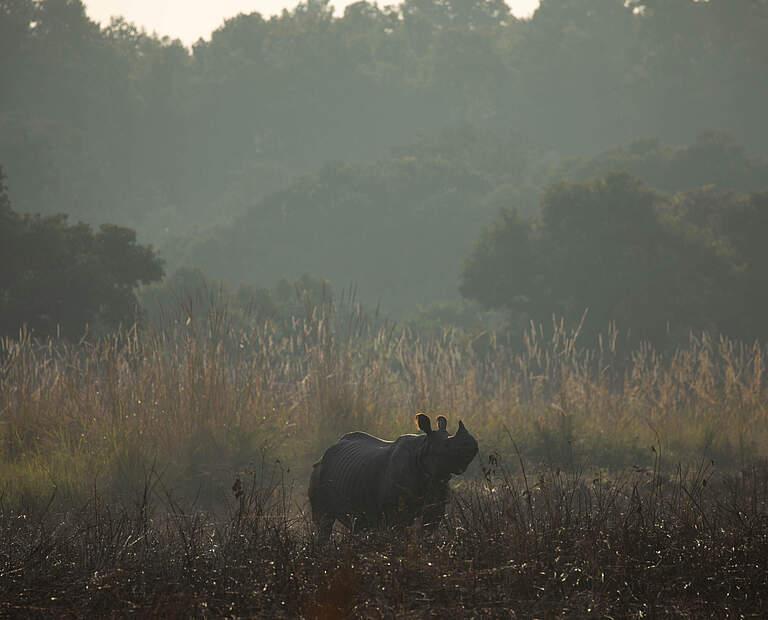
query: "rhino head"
442, 454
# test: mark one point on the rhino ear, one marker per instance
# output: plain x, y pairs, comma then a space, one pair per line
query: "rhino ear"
462, 428
442, 423
424, 424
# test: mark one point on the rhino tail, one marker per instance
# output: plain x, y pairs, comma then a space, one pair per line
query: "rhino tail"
314, 481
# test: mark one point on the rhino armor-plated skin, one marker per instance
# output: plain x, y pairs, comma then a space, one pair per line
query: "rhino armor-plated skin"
363, 481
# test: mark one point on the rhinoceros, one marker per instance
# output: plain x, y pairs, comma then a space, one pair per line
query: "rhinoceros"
363, 481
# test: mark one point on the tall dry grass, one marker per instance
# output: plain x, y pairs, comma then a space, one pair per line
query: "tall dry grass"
206, 397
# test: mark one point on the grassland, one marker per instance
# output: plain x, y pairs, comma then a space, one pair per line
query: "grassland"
163, 473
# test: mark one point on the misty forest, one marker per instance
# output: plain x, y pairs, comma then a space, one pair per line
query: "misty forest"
216, 260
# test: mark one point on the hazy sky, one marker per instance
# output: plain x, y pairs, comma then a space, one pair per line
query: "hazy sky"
189, 20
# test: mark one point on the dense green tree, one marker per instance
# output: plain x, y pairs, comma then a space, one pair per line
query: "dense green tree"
630, 256
57, 277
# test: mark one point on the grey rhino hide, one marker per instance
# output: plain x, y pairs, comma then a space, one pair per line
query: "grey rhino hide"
363, 481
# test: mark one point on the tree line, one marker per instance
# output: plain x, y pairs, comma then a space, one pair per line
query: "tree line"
416, 150
114, 124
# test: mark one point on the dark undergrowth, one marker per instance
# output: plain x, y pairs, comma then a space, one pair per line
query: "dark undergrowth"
686, 543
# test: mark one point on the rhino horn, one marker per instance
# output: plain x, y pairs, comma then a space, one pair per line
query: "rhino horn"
424, 424
442, 423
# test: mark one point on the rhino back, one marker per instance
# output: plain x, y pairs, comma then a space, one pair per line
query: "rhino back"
350, 475
362, 474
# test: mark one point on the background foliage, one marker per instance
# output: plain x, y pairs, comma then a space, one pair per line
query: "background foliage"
630, 256
228, 156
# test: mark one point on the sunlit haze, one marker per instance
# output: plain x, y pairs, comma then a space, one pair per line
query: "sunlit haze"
190, 21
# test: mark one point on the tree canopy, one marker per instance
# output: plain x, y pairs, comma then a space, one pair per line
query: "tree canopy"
627, 255
112, 124
68, 279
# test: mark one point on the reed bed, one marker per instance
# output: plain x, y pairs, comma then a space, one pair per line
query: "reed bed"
162, 471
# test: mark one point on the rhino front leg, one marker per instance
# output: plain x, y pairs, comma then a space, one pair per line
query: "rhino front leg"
433, 514
434, 507
399, 512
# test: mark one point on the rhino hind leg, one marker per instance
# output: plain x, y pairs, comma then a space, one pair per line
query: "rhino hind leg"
323, 523
322, 516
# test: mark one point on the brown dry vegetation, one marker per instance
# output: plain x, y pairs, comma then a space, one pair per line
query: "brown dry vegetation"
610, 482
692, 544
